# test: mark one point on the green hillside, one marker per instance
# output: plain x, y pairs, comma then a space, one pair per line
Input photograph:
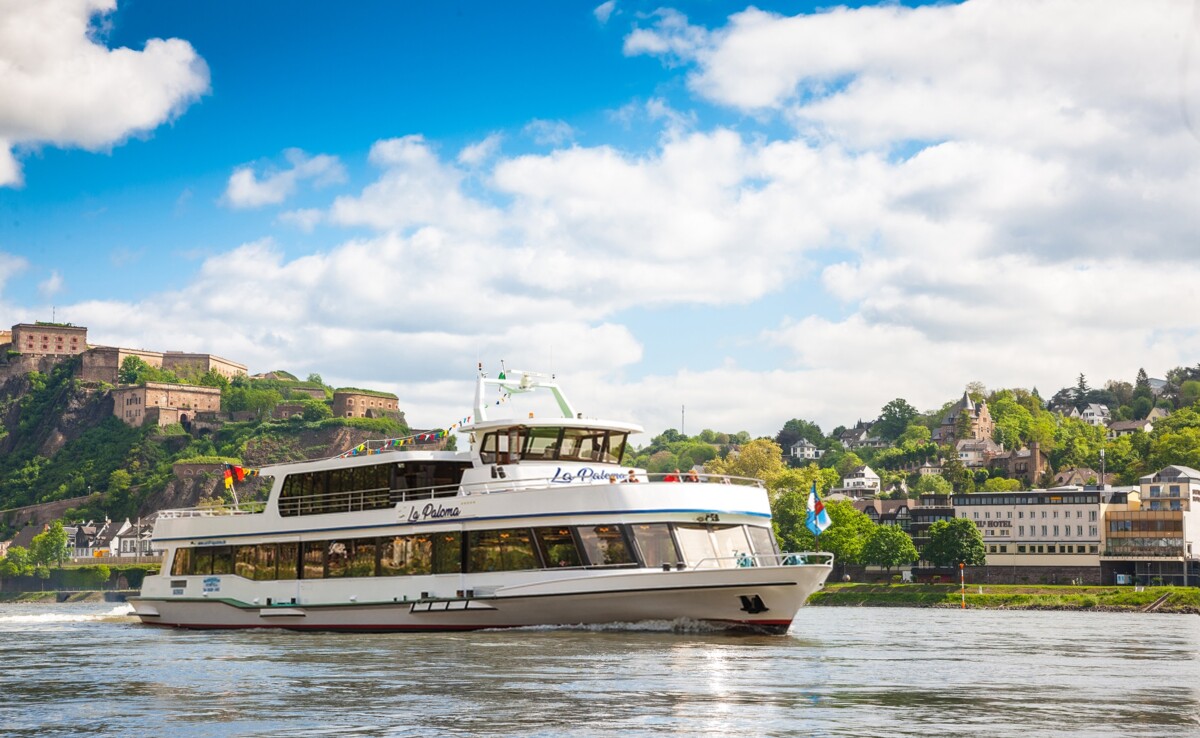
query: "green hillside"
59, 439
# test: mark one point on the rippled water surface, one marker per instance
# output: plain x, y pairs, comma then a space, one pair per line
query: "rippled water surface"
73, 669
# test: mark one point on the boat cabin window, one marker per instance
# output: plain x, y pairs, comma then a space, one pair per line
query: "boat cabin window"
594, 445
762, 540
500, 550
508, 549
372, 487
557, 546
605, 545
655, 544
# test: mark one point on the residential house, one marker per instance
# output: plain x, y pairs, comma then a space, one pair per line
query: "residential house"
979, 420
1028, 464
805, 449
974, 453
862, 482
887, 512
1080, 477
133, 539
851, 437
1118, 428
1095, 414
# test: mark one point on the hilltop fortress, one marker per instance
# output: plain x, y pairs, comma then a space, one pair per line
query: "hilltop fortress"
38, 346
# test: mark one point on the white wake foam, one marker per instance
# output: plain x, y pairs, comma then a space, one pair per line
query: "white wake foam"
119, 613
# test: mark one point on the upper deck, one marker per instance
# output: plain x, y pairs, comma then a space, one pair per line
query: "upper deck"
511, 463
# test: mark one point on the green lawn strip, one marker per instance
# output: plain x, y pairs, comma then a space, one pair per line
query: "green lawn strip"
1007, 596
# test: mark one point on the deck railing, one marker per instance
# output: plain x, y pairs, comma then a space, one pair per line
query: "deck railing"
744, 560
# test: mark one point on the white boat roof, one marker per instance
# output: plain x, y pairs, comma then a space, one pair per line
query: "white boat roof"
385, 457
552, 422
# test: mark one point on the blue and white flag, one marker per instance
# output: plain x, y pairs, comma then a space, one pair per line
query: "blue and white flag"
817, 519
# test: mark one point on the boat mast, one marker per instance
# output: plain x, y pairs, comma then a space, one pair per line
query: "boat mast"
509, 382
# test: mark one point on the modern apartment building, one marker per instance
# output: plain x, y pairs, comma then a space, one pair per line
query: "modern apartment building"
1156, 540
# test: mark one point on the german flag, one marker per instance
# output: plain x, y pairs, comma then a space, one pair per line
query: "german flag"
228, 476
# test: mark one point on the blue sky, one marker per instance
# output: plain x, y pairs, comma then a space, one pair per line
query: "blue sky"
785, 210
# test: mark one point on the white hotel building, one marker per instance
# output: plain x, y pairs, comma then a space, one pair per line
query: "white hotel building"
1052, 535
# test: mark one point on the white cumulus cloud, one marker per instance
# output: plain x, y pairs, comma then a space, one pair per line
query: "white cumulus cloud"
51, 286
248, 190
60, 85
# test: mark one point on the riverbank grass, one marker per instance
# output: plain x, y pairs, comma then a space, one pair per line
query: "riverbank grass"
1009, 596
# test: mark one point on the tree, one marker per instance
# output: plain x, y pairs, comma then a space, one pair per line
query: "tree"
96, 576
894, 419
801, 481
1141, 386
847, 532
16, 563
758, 459
49, 546
957, 474
915, 434
795, 429
316, 410
999, 484
933, 484
888, 546
848, 463
953, 542
1081, 391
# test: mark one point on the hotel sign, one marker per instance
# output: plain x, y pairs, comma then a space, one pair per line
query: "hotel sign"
994, 523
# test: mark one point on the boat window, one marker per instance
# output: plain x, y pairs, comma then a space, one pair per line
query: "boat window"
614, 449
337, 558
289, 557
762, 540
731, 542
405, 555
267, 556
541, 444
500, 550
246, 561
201, 561
697, 546
222, 562
447, 553
655, 544
348, 489
501, 447
558, 547
362, 561
604, 545
181, 562
312, 563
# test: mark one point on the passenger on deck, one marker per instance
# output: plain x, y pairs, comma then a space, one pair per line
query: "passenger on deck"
672, 477
633, 477
692, 476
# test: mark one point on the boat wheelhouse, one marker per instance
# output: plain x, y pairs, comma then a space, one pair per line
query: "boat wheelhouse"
538, 523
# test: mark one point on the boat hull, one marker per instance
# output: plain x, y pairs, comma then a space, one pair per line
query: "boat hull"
759, 599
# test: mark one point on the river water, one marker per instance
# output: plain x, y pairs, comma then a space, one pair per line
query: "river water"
74, 669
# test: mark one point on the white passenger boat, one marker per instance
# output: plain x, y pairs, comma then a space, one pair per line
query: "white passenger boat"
538, 523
